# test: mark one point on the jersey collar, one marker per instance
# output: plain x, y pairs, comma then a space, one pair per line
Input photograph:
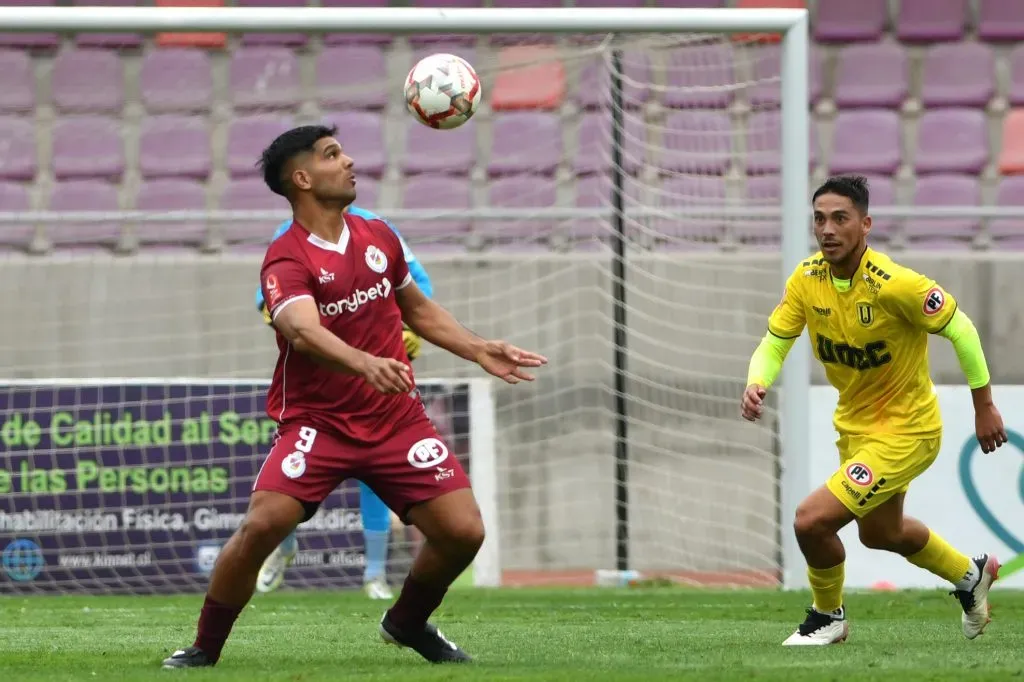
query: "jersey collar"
857, 273
340, 247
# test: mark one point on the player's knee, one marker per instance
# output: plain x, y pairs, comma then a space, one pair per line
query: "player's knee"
467, 535
260, 531
808, 523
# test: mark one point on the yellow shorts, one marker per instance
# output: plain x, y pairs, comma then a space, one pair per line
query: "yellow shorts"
874, 468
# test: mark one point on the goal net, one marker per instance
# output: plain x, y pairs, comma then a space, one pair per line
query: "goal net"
135, 362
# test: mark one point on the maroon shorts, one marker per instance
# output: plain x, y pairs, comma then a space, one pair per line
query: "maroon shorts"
413, 465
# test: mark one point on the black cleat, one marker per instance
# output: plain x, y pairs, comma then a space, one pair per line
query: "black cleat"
192, 657
428, 642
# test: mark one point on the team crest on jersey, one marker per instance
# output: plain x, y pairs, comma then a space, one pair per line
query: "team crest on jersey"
865, 314
934, 302
860, 474
294, 465
376, 259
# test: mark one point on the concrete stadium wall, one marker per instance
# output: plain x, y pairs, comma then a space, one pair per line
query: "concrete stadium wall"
702, 480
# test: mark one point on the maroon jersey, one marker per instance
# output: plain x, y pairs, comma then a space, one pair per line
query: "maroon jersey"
354, 284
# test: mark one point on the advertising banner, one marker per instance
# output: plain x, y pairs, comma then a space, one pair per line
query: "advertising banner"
974, 500
134, 486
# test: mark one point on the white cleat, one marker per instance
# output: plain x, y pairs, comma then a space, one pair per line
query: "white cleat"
820, 629
974, 599
378, 588
272, 572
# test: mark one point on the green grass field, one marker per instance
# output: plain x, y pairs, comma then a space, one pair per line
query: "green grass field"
517, 634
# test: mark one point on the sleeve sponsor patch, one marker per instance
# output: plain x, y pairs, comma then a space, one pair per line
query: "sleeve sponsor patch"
273, 290
934, 302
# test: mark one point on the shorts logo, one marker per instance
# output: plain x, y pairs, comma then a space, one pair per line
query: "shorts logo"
294, 465
934, 301
427, 453
376, 259
860, 474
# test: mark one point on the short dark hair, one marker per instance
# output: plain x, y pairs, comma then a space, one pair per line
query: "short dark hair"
286, 147
853, 187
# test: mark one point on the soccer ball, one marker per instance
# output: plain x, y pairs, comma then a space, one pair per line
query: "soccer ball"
442, 91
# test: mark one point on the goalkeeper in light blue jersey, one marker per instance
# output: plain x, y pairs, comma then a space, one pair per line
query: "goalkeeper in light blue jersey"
376, 515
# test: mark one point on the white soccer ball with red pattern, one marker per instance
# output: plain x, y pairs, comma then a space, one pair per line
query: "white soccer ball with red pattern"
442, 91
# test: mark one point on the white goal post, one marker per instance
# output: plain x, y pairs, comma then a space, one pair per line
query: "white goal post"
791, 213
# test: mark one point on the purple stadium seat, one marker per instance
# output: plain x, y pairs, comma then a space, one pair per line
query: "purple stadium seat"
871, 75
1016, 62
40, 41
348, 38
421, 40
883, 193
866, 141
248, 136
522, 193
842, 21
361, 135
14, 197
681, 192
931, 20
694, 142
87, 147
84, 195
952, 141
16, 82
352, 76
249, 194
525, 142
88, 81
275, 39
595, 191
764, 142
176, 79
766, 191
264, 78
594, 153
958, 75
767, 60
944, 190
18, 142
593, 89
436, 192
700, 76
367, 191
1009, 232
166, 195
174, 146
1001, 20
439, 151
112, 40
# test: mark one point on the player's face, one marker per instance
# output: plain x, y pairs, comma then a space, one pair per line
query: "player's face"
839, 228
331, 174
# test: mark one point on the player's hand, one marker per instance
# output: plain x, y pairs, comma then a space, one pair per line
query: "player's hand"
988, 426
412, 342
506, 362
753, 402
387, 375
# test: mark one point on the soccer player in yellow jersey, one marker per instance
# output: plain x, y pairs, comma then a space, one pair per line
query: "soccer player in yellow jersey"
869, 320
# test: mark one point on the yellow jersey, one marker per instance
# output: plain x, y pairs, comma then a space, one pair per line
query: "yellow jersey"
872, 338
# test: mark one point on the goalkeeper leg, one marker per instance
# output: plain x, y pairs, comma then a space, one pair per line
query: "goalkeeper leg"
376, 536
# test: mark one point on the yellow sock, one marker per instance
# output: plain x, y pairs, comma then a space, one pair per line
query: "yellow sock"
827, 587
939, 557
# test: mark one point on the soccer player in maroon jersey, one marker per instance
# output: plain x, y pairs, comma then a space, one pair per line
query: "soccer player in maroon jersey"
343, 394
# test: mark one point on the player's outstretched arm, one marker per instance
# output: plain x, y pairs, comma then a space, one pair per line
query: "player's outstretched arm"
299, 323
988, 423
765, 365
439, 327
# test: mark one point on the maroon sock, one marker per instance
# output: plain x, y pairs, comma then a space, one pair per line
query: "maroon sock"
215, 621
415, 603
